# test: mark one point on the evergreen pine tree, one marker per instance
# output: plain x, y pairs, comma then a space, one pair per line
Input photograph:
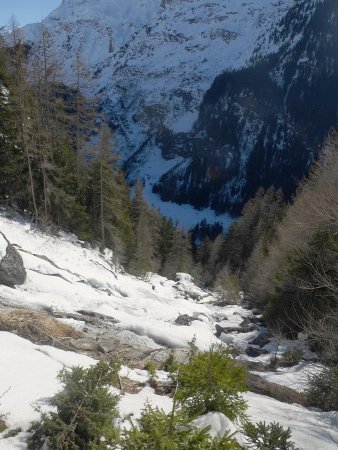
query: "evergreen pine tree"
146, 230
110, 205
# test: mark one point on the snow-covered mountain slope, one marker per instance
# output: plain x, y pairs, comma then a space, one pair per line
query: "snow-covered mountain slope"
184, 85
164, 55
264, 124
63, 274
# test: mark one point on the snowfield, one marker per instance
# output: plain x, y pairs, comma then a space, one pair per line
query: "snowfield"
64, 274
29, 372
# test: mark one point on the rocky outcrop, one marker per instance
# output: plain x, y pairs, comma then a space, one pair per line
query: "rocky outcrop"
261, 340
255, 352
262, 125
12, 270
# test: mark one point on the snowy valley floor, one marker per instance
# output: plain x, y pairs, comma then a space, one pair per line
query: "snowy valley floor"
65, 277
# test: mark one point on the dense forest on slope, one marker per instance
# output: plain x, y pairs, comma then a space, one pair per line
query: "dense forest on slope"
285, 256
58, 165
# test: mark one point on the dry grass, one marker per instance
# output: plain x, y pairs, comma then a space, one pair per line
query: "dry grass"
35, 326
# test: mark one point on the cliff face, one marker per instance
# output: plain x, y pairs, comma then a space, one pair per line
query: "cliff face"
264, 124
209, 100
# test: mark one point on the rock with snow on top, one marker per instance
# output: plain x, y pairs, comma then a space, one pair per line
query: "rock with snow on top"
184, 277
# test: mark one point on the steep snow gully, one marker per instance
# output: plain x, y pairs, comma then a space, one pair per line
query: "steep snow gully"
73, 281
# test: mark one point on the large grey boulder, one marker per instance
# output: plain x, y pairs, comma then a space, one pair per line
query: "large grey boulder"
12, 270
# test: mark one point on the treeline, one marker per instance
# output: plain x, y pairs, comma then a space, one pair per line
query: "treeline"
285, 257
250, 234
58, 164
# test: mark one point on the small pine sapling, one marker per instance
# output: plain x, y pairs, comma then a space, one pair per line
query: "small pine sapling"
193, 349
3, 417
212, 381
171, 365
85, 411
322, 389
270, 436
151, 368
159, 431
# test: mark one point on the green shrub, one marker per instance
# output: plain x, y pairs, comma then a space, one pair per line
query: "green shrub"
160, 431
212, 381
171, 365
303, 286
153, 379
12, 433
3, 425
151, 368
193, 349
291, 358
3, 417
270, 436
323, 389
85, 410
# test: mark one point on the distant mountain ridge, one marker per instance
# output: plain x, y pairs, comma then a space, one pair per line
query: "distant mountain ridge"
209, 99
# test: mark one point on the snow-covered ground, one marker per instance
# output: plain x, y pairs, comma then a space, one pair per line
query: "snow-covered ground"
64, 274
75, 277
29, 372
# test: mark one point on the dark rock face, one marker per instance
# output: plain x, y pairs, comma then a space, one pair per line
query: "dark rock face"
261, 340
265, 124
227, 330
12, 271
247, 325
255, 352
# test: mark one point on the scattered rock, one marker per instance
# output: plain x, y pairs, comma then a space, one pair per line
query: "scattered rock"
185, 320
86, 345
164, 388
99, 317
255, 352
12, 271
160, 356
256, 319
247, 325
106, 346
261, 340
130, 386
226, 330
183, 277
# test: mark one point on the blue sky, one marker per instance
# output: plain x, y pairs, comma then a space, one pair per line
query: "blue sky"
26, 11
